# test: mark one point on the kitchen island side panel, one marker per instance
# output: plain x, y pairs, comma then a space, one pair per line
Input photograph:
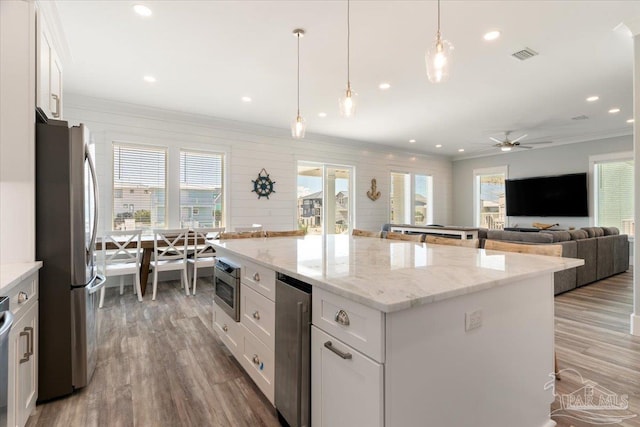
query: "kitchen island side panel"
438, 374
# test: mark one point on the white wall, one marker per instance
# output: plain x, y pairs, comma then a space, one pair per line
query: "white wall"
250, 148
569, 158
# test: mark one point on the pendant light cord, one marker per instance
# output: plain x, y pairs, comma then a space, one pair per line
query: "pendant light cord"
348, 44
438, 19
298, 35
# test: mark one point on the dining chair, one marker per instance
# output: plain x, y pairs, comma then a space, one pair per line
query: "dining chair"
240, 235
401, 236
170, 253
248, 229
364, 233
467, 243
284, 233
122, 258
203, 252
550, 250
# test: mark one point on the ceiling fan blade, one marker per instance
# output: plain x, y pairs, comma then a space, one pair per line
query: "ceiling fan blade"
498, 145
539, 142
495, 140
524, 146
519, 138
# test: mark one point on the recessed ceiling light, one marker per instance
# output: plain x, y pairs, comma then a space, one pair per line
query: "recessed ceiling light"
460, 150
149, 79
630, 121
384, 86
491, 35
593, 98
412, 141
323, 114
246, 99
614, 110
438, 145
142, 10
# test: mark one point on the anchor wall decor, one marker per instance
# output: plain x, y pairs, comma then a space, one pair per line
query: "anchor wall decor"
373, 194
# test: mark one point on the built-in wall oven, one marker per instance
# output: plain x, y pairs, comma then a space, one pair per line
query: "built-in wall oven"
227, 287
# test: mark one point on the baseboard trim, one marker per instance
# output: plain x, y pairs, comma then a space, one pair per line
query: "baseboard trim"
635, 324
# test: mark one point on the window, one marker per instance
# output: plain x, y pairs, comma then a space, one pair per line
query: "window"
201, 189
316, 214
613, 192
489, 197
139, 185
410, 199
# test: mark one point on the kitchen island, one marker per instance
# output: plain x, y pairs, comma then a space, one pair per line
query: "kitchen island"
434, 335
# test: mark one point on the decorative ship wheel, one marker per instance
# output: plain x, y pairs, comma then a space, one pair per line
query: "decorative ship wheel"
263, 185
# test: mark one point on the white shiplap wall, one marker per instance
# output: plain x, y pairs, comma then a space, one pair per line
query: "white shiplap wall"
249, 148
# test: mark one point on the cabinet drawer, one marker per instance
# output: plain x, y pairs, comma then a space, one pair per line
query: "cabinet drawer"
258, 360
361, 327
227, 329
257, 314
260, 279
24, 295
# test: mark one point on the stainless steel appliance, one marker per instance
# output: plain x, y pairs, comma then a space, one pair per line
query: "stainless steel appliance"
6, 320
293, 351
227, 287
66, 225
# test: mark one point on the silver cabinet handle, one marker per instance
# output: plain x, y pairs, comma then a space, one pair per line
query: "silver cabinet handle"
330, 346
225, 328
256, 315
256, 359
256, 276
25, 357
29, 330
56, 113
22, 297
342, 318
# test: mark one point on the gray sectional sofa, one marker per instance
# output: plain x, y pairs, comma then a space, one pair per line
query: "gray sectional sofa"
604, 250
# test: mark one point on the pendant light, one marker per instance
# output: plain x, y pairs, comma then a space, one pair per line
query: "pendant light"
348, 100
439, 57
298, 126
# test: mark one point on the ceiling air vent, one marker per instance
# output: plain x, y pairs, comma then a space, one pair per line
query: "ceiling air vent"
582, 117
525, 53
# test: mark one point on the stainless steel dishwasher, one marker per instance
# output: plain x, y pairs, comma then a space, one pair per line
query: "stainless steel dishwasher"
6, 320
293, 351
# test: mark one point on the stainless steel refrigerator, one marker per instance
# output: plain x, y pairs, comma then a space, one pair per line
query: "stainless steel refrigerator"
66, 225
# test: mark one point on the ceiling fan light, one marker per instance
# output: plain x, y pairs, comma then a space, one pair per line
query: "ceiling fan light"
505, 148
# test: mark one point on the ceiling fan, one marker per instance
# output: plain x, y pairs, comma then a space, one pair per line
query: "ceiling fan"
508, 144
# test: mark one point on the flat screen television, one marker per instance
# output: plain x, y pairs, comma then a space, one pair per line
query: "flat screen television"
561, 195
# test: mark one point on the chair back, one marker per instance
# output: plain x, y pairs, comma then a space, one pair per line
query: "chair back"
466, 243
170, 244
408, 237
364, 233
247, 229
284, 233
237, 235
201, 237
498, 245
121, 247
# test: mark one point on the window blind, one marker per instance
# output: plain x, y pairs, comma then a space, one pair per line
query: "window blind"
614, 195
201, 189
139, 187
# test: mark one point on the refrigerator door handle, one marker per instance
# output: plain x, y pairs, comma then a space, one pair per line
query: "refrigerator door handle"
94, 181
98, 284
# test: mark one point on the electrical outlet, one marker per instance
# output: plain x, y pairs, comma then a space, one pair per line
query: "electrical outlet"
472, 319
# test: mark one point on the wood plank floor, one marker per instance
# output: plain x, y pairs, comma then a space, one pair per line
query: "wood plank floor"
161, 364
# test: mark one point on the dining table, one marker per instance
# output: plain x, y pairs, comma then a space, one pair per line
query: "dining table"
147, 245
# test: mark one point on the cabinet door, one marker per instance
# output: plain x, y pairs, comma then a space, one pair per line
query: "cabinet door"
43, 85
24, 336
344, 391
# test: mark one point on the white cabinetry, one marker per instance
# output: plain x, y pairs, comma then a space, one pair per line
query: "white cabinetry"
346, 386
23, 351
49, 72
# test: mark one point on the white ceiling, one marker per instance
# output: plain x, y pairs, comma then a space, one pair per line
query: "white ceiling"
206, 55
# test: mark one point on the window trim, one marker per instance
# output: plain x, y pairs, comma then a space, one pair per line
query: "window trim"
593, 179
412, 193
494, 170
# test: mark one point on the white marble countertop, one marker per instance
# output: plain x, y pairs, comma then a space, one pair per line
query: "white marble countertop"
391, 275
14, 273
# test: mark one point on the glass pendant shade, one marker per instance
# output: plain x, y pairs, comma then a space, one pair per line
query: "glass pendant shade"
298, 127
348, 103
438, 60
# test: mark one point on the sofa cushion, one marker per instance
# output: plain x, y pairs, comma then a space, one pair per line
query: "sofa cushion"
558, 236
587, 250
566, 280
594, 231
578, 234
535, 237
611, 231
605, 256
